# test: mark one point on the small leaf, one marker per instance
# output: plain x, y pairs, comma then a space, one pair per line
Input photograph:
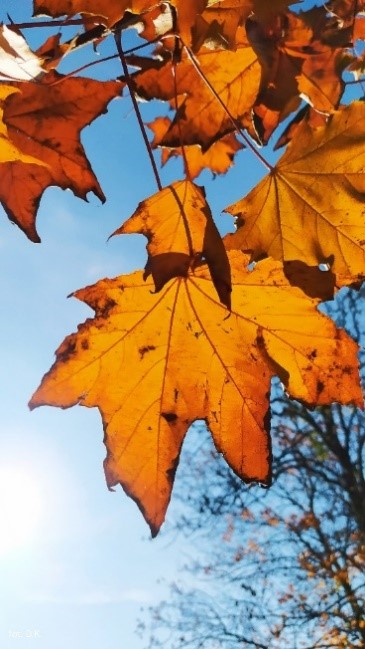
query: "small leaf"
181, 232
218, 158
44, 121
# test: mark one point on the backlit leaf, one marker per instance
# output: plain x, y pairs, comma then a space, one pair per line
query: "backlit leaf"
295, 65
181, 232
17, 61
200, 119
218, 158
153, 364
311, 206
44, 121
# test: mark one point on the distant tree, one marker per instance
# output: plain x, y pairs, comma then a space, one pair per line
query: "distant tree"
283, 567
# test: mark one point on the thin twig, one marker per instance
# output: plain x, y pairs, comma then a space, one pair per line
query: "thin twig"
182, 145
98, 61
118, 42
49, 23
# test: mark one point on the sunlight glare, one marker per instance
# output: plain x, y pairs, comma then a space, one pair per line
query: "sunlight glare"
20, 508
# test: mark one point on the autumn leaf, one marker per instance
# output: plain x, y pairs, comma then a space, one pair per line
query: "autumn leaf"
44, 121
346, 9
218, 24
17, 61
108, 12
52, 51
311, 206
218, 158
9, 153
295, 65
153, 364
200, 118
184, 236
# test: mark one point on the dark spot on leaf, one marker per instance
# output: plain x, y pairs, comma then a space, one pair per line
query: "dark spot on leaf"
169, 416
106, 308
145, 349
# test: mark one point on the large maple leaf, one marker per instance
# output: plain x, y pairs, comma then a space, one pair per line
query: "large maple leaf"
153, 364
311, 206
200, 118
44, 121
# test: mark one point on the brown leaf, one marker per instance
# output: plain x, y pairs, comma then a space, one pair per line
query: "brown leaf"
218, 24
108, 12
311, 206
52, 51
311, 279
44, 121
306, 114
295, 65
181, 232
153, 364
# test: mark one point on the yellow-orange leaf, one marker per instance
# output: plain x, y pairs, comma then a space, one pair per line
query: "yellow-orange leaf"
9, 153
44, 121
181, 232
153, 364
311, 207
200, 119
218, 158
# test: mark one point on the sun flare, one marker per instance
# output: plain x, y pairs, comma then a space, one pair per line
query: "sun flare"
20, 508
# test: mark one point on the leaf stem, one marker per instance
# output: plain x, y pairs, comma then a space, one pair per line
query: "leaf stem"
104, 60
182, 145
48, 23
118, 42
235, 123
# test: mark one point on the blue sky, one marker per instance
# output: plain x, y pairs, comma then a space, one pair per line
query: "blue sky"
76, 562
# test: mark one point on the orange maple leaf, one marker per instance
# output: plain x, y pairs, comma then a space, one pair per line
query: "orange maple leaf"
311, 206
153, 364
44, 121
182, 238
218, 158
200, 118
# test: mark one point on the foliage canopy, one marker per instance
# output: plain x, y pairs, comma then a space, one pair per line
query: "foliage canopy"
202, 338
